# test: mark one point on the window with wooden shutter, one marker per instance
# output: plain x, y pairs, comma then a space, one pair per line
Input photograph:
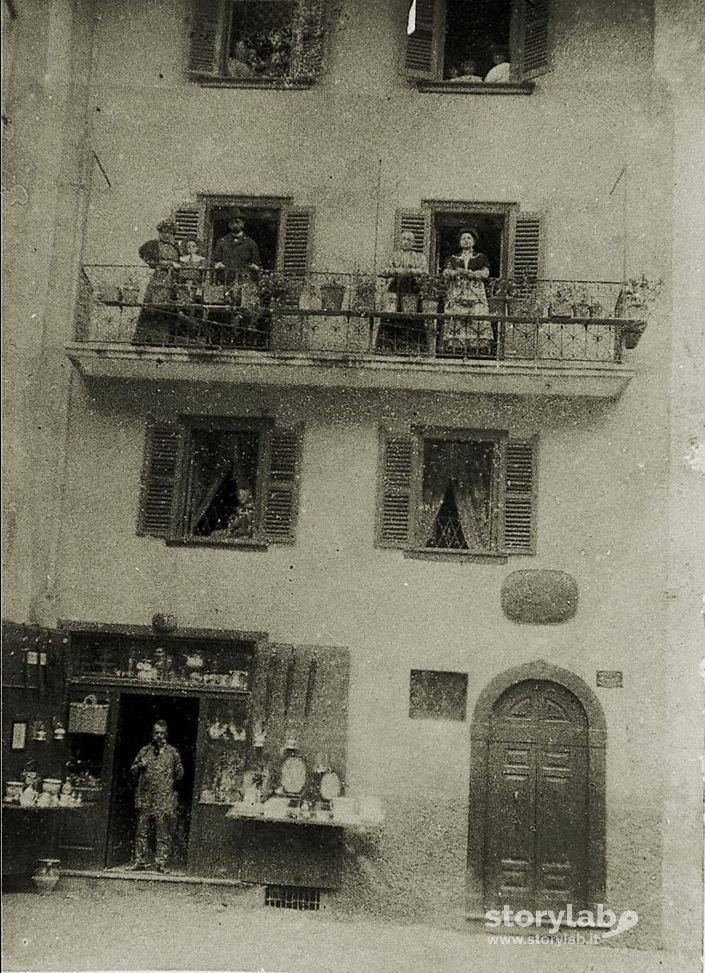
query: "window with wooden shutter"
395, 516
528, 231
281, 498
207, 37
255, 41
158, 480
519, 500
414, 221
534, 45
421, 55
187, 221
295, 234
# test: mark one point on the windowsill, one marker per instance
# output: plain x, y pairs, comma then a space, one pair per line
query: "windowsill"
248, 545
214, 81
437, 554
447, 87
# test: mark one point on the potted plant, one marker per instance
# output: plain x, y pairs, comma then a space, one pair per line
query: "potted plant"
561, 301
633, 305
431, 288
581, 302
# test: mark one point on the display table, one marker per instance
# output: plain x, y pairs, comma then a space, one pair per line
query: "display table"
261, 812
31, 833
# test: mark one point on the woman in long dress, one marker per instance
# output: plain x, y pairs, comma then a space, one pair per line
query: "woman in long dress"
465, 273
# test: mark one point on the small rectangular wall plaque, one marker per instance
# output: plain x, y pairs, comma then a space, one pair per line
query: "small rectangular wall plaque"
610, 678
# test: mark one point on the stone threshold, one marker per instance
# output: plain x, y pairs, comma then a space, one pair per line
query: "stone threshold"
175, 877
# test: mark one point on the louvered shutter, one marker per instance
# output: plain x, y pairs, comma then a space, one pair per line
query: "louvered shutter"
294, 247
419, 223
206, 37
309, 36
420, 46
395, 506
527, 246
186, 218
534, 55
520, 500
281, 493
158, 480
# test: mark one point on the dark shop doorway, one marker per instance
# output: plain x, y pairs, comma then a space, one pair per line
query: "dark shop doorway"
138, 713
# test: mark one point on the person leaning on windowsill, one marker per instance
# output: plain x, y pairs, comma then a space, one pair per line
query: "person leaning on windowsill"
501, 73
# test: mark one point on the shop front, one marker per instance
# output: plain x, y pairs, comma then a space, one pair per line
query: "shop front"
261, 730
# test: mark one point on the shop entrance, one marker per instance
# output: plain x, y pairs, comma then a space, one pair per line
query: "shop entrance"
137, 715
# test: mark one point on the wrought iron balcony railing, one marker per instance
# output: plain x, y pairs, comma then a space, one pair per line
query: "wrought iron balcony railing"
357, 314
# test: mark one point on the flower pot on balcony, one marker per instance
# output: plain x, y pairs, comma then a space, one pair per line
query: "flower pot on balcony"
388, 302
631, 333
559, 310
332, 296
582, 310
409, 303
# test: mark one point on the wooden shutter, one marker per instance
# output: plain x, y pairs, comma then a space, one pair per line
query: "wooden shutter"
395, 513
309, 36
418, 221
163, 445
186, 218
281, 494
534, 53
207, 37
421, 45
294, 245
520, 499
528, 232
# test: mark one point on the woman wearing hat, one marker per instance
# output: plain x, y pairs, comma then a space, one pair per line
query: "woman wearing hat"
155, 323
465, 273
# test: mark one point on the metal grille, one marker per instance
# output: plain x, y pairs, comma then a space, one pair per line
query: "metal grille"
293, 897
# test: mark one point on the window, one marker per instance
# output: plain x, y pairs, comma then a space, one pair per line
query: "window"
458, 492
510, 239
280, 230
256, 42
220, 481
490, 45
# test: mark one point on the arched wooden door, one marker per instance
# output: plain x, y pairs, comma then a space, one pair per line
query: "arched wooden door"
537, 828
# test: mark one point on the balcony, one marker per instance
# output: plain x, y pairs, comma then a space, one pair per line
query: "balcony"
354, 330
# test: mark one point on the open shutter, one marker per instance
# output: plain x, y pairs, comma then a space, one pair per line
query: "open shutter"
528, 232
534, 53
418, 222
309, 36
421, 44
520, 498
158, 480
395, 506
186, 218
282, 487
207, 36
294, 244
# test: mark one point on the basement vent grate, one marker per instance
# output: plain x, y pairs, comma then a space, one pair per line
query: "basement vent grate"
292, 897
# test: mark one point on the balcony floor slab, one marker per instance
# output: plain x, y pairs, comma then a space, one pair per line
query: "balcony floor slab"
572, 379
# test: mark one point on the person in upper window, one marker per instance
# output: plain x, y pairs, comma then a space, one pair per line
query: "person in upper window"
465, 273
237, 253
502, 70
240, 64
468, 72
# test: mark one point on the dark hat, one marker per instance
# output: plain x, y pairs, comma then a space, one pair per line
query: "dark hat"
236, 214
473, 230
166, 225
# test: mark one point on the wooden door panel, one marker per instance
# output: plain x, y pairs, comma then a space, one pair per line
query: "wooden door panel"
537, 799
511, 838
561, 819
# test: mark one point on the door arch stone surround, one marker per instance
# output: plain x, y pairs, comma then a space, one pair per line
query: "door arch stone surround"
479, 754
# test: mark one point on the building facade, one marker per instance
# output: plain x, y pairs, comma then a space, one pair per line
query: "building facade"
432, 534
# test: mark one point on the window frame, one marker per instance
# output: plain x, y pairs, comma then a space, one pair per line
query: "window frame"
222, 30
424, 434
184, 473
521, 82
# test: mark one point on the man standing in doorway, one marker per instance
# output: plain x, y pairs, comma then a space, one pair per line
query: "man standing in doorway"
158, 769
